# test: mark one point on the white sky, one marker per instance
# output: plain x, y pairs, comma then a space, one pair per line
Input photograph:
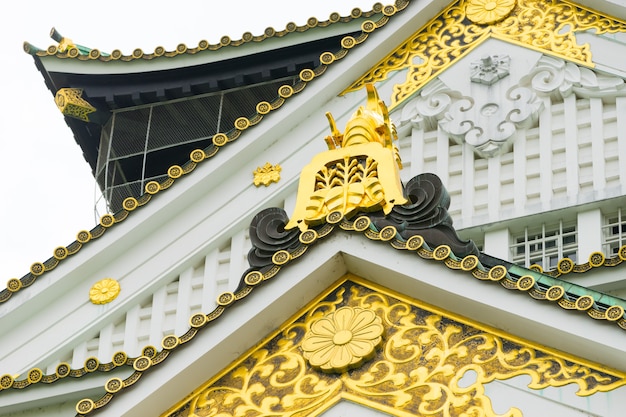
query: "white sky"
46, 187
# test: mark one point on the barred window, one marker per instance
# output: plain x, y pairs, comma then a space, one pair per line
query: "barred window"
545, 246
614, 232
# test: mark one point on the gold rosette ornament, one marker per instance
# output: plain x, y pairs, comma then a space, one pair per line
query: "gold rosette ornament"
486, 12
104, 291
343, 339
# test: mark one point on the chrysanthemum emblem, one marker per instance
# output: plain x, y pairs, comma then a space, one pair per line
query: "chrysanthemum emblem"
485, 12
104, 291
343, 339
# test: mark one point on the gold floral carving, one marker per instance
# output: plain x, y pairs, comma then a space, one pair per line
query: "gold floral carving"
267, 174
360, 170
485, 12
72, 104
419, 369
104, 291
546, 26
343, 339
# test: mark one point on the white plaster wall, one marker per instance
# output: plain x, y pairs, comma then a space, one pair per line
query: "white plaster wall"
570, 165
349, 409
561, 402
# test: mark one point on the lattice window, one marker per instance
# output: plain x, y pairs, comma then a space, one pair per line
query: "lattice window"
545, 246
614, 232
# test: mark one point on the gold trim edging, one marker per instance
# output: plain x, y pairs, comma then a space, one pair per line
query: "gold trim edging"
424, 354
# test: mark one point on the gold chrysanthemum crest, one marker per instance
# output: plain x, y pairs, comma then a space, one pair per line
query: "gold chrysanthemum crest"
486, 12
343, 339
104, 291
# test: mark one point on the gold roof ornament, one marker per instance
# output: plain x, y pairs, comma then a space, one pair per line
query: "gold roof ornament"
104, 291
267, 174
342, 339
65, 43
485, 12
71, 103
360, 171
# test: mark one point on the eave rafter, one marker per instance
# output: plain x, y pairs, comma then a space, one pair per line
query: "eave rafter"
549, 27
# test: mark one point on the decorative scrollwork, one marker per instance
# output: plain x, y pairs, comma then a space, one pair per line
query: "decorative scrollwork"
426, 215
544, 26
268, 235
424, 356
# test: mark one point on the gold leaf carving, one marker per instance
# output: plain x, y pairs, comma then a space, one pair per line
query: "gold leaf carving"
72, 104
546, 26
342, 339
104, 291
485, 12
424, 355
267, 174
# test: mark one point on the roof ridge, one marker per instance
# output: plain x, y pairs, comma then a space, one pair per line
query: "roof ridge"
67, 49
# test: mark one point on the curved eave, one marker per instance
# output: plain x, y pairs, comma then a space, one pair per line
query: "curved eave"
139, 61
108, 92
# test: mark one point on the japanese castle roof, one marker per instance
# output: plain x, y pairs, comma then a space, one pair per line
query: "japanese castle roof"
110, 82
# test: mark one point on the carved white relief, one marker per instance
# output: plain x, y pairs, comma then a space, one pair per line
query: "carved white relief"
489, 126
490, 68
557, 78
486, 116
485, 121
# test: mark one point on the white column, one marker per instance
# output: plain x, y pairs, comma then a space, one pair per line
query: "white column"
183, 299
157, 316
571, 147
597, 146
497, 243
494, 200
443, 160
589, 230
209, 284
545, 154
519, 166
238, 259
131, 327
417, 151
621, 139
105, 343
467, 192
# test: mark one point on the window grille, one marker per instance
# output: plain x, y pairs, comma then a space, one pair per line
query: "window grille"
614, 233
545, 246
139, 144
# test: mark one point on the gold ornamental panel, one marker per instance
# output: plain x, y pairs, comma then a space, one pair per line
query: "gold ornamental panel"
546, 26
413, 365
359, 171
71, 103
